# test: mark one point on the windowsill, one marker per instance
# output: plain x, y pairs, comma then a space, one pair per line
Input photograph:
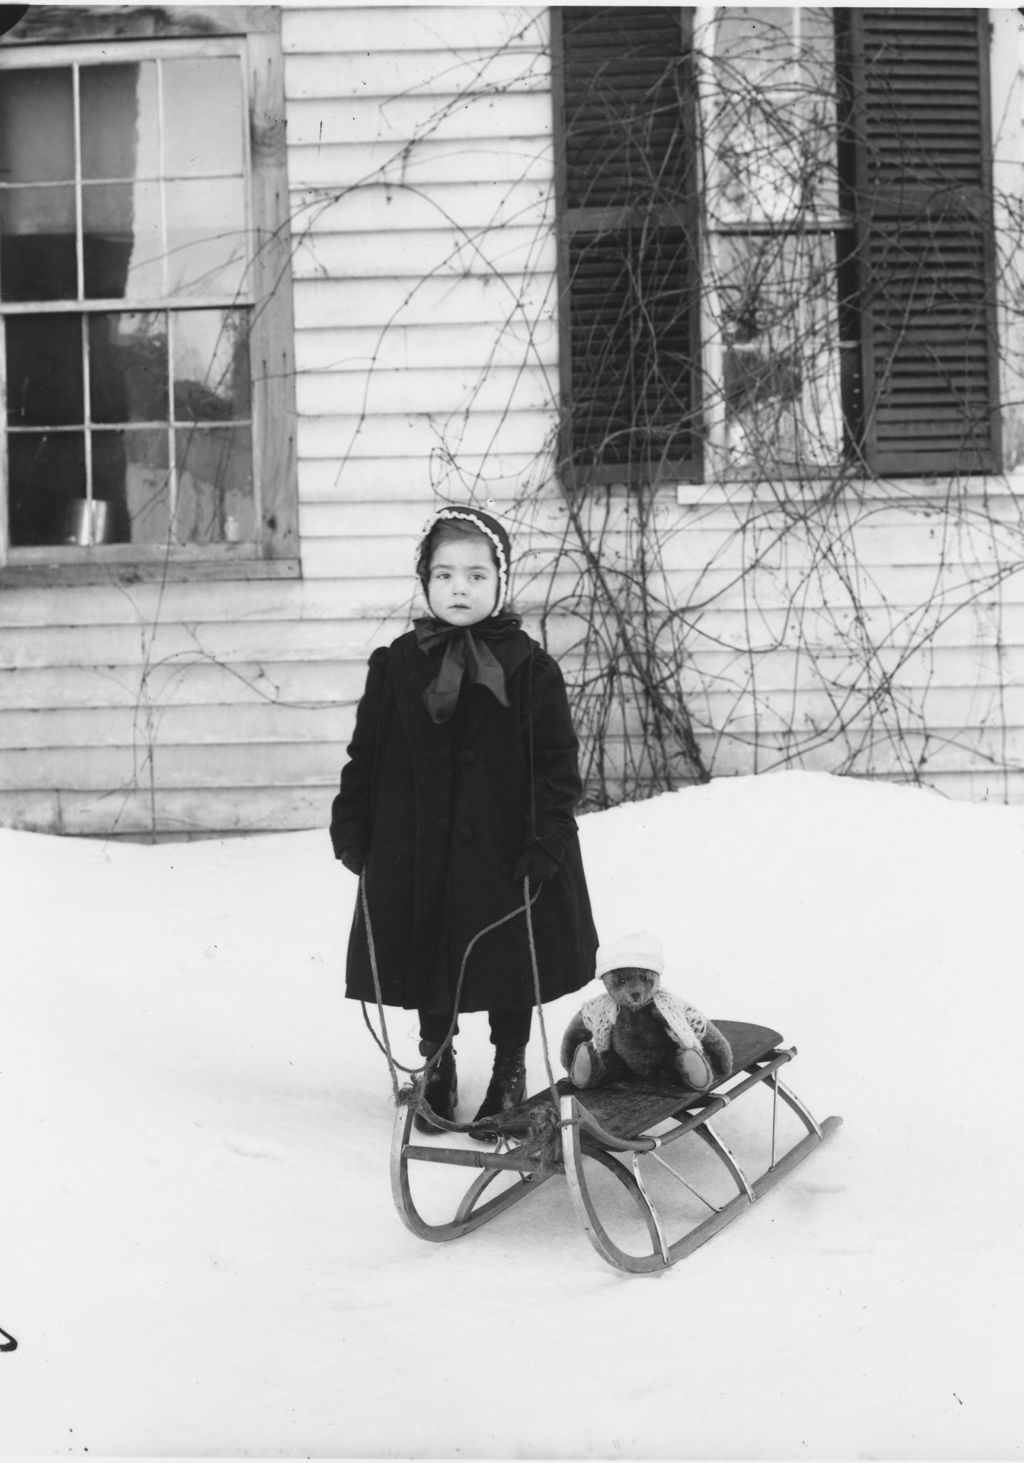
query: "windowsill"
56, 572
887, 490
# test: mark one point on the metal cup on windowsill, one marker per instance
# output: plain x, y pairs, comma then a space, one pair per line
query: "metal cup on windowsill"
87, 521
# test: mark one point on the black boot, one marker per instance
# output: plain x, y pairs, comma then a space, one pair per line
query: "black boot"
442, 1089
507, 1085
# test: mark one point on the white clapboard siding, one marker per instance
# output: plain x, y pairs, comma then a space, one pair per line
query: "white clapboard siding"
485, 204
198, 726
497, 390
739, 632
902, 587
612, 519
692, 547
973, 718
423, 300
475, 119
899, 591
975, 629
376, 482
391, 347
430, 72
419, 435
424, 486
515, 160
866, 547
788, 670
906, 759
452, 31
146, 607
170, 813
908, 754
229, 642
441, 250
402, 517
176, 681
127, 765
997, 785
834, 713
76, 655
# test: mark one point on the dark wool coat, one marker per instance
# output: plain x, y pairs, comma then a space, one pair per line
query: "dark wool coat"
442, 813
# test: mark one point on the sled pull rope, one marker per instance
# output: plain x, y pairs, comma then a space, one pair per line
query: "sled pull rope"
386, 1045
536, 988
528, 914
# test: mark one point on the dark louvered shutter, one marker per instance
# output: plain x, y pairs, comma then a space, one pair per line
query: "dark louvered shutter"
925, 240
629, 265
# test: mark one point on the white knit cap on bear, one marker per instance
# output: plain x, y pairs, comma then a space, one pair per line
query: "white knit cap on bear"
642, 951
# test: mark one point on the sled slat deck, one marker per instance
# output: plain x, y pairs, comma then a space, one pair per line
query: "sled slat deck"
609, 1130
630, 1108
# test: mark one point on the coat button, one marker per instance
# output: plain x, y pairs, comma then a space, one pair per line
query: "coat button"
465, 835
444, 824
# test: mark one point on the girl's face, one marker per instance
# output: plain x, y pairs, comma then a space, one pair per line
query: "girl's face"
463, 585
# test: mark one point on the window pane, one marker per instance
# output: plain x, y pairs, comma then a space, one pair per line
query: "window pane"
776, 46
120, 135
130, 472
203, 117
206, 238
37, 244
780, 326
44, 370
121, 247
211, 365
772, 97
215, 500
37, 127
758, 41
47, 474
128, 367
772, 165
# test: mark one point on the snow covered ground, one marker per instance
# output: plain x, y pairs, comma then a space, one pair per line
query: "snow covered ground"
199, 1249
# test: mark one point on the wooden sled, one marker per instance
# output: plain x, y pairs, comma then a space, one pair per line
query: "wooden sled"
609, 1144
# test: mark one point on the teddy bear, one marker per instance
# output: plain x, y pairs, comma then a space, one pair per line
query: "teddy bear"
637, 1029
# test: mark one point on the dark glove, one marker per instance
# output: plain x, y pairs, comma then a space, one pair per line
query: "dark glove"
354, 859
534, 864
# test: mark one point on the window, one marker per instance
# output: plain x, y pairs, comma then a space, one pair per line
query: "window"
775, 243
143, 299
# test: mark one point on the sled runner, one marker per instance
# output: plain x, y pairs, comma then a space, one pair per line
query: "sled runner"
609, 1144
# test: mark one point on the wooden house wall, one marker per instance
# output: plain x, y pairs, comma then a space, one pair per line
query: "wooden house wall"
206, 707
420, 169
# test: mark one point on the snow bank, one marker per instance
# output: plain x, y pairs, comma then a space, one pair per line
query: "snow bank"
200, 1251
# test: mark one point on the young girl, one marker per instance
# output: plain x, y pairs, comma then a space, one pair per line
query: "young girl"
462, 779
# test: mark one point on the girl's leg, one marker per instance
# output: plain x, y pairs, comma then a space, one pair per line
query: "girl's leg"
434, 1027
510, 1028
442, 1087
510, 1032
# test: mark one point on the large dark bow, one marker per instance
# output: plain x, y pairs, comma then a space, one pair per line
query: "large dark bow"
466, 652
